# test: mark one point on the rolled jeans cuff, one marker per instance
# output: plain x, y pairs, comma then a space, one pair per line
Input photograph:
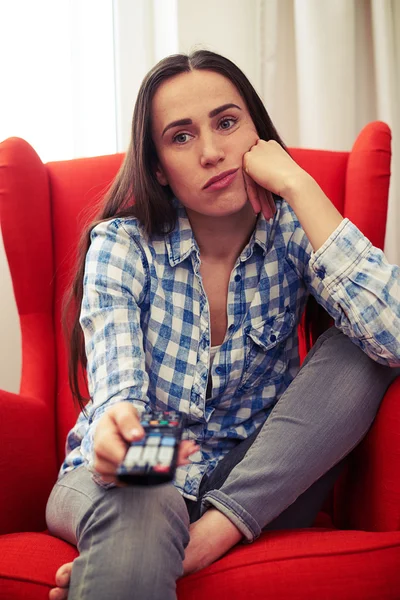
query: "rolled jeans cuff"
247, 526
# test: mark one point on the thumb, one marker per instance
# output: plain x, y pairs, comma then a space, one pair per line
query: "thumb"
127, 420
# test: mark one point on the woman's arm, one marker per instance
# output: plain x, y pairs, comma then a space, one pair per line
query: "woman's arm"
114, 289
348, 276
271, 167
115, 284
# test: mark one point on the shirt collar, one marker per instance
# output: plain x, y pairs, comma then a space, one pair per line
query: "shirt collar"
181, 242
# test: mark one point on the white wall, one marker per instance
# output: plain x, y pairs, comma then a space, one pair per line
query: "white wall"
147, 31
58, 93
10, 339
226, 26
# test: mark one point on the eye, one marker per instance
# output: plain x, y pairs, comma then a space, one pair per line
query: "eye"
180, 138
227, 122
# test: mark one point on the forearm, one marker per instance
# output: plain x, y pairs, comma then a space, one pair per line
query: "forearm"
316, 213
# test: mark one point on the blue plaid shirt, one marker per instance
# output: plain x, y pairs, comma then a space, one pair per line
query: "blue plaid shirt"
146, 321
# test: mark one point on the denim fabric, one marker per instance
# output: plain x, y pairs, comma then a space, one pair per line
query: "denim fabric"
320, 418
146, 320
131, 540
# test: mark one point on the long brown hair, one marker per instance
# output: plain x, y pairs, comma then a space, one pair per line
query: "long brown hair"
135, 190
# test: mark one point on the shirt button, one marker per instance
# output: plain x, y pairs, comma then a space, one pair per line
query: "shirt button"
219, 370
273, 338
231, 327
237, 278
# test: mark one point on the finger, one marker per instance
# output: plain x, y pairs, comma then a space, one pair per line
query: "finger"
252, 194
127, 420
186, 448
118, 426
267, 203
109, 444
103, 466
106, 471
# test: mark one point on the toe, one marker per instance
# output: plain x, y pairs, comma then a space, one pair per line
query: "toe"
63, 576
58, 594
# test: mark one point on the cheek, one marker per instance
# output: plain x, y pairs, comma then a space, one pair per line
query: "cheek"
249, 138
180, 178
181, 169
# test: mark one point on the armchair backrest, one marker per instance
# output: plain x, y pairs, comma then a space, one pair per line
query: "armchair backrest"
44, 208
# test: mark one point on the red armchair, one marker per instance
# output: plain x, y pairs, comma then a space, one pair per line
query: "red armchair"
353, 551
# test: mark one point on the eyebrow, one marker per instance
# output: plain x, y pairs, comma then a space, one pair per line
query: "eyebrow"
211, 114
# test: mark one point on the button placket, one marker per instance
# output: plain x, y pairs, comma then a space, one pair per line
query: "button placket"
234, 292
203, 365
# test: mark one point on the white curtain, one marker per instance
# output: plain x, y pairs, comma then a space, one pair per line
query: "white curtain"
327, 68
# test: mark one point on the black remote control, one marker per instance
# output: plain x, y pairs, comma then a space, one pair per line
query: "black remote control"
152, 460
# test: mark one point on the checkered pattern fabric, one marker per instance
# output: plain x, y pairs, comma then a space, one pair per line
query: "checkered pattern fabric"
146, 322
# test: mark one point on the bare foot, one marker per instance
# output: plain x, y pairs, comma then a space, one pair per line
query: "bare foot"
63, 577
210, 538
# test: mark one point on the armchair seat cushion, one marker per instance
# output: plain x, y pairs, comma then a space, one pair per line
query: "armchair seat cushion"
296, 565
303, 564
29, 563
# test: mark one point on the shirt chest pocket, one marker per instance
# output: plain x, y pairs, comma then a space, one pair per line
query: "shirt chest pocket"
265, 350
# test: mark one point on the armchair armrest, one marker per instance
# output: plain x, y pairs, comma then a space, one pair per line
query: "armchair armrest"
367, 497
28, 467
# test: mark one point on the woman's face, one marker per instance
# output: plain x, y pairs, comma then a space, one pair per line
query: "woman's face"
201, 128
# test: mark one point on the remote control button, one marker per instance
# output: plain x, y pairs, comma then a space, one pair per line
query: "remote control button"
154, 422
150, 455
173, 422
153, 440
165, 455
168, 441
132, 456
161, 468
163, 422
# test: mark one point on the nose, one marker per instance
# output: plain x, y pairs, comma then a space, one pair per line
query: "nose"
211, 151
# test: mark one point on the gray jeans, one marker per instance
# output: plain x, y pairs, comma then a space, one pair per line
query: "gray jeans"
132, 540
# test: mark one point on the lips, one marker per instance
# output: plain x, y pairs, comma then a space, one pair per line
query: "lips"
219, 177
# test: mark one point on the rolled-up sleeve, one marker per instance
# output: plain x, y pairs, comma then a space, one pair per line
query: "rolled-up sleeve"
356, 285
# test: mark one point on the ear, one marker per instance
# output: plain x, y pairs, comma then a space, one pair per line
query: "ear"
161, 178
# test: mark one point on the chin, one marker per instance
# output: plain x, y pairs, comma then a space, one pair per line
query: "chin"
234, 208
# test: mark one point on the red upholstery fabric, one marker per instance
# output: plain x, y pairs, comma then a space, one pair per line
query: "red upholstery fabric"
293, 564
27, 461
76, 187
43, 209
368, 494
33, 578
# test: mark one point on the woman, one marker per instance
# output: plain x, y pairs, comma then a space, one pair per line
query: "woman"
191, 300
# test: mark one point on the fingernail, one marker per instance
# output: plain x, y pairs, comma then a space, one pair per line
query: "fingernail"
135, 432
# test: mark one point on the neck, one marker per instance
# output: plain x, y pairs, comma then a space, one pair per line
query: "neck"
222, 238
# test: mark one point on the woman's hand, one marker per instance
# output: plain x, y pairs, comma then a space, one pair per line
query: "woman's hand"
269, 168
119, 426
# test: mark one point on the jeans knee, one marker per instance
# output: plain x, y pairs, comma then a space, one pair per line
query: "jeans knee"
139, 510
135, 537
